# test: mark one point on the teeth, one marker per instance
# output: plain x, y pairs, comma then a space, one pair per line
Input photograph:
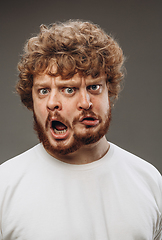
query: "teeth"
60, 131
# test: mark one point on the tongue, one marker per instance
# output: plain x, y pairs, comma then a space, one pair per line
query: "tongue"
59, 126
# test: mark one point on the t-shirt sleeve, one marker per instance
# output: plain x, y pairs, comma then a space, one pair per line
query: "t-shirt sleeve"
158, 235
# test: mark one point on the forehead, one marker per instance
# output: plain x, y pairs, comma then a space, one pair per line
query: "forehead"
75, 80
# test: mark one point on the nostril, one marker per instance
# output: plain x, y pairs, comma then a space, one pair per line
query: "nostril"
53, 106
86, 106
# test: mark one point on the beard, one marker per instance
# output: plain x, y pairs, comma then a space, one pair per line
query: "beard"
79, 138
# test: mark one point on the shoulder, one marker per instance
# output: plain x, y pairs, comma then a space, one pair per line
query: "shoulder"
140, 178
139, 170
19, 163
130, 160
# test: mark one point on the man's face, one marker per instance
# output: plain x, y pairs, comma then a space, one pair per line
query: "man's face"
70, 113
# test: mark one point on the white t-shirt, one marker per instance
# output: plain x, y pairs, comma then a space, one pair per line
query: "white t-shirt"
118, 197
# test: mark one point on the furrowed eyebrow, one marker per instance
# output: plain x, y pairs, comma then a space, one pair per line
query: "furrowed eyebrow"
67, 83
39, 85
94, 81
91, 81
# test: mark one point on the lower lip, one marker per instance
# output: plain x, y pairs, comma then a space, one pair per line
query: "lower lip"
59, 136
90, 122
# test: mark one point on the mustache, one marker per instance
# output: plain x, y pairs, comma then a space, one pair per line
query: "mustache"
84, 113
59, 118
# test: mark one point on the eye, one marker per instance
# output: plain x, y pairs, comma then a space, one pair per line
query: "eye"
43, 91
96, 88
69, 91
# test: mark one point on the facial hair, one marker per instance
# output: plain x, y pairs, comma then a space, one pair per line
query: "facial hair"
79, 138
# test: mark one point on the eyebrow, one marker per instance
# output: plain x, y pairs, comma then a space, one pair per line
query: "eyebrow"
95, 81
41, 84
68, 82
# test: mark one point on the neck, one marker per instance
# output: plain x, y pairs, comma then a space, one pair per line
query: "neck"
87, 153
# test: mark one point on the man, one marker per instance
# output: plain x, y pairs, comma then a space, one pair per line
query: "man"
75, 184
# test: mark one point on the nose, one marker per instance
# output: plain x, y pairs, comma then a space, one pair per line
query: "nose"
84, 100
53, 102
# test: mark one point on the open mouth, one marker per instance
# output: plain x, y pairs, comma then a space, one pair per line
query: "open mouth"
58, 127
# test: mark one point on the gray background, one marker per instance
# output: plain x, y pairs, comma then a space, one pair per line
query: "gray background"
136, 24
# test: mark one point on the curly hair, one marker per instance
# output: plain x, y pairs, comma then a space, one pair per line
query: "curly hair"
74, 47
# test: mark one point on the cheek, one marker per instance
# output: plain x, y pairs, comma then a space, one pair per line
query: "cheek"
101, 106
40, 111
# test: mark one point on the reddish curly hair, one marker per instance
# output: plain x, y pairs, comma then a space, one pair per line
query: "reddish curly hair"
75, 47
